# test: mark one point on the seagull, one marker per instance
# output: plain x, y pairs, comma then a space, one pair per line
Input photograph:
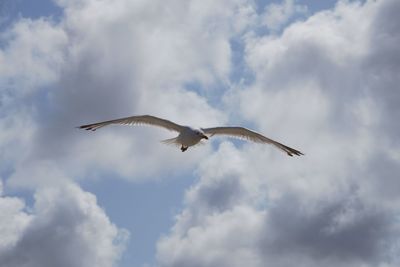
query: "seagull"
189, 136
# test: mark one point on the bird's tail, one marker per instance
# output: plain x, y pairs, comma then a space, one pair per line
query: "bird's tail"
171, 141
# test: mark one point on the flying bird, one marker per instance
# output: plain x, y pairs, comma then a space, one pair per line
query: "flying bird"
190, 136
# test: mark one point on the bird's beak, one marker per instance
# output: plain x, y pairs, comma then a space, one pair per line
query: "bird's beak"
205, 137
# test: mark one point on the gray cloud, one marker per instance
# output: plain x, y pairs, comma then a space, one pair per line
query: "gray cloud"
382, 66
217, 195
345, 231
327, 83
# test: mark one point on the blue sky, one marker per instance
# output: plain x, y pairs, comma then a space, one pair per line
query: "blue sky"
273, 66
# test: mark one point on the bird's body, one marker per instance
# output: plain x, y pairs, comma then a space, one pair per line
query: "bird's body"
190, 136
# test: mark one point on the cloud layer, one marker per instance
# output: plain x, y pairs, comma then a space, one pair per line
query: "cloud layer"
99, 63
326, 85
100, 60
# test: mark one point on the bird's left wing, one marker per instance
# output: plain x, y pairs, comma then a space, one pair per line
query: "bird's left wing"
243, 133
136, 120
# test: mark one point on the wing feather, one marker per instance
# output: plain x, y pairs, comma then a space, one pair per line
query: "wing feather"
243, 133
136, 120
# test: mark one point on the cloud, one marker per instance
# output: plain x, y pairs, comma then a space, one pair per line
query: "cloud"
14, 219
31, 56
30, 59
326, 87
299, 220
66, 227
209, 244
276, 15
103, 60
343, 231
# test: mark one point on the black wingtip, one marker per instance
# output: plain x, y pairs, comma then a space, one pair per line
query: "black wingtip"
294, 152
290, 151
86, 127
297, 153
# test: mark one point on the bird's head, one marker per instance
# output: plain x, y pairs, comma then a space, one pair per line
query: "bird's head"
201, 134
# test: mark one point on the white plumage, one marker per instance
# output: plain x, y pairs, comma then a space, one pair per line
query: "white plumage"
189, 137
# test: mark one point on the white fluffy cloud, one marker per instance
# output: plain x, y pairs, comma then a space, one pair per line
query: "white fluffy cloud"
31, 57
65, 227
104, 60
13, 221
276, 15
100, 60
325, 86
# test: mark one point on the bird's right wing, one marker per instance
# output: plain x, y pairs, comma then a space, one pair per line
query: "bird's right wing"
136, 120
243, 133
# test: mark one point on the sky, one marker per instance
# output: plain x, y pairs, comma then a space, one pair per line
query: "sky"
319, 76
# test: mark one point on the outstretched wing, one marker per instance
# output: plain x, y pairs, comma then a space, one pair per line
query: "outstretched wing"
136, 120
243, 133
